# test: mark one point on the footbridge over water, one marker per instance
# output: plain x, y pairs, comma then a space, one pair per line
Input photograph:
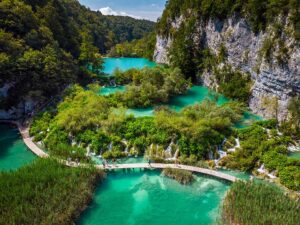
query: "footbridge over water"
194, 169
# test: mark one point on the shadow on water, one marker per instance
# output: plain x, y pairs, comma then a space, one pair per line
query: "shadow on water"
13, 151
8, 136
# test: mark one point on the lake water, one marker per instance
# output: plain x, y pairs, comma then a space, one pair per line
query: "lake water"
196, 94
111, 64
143, 197
13, 151
294, 155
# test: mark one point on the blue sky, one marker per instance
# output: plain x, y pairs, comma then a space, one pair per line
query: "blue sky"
148, 9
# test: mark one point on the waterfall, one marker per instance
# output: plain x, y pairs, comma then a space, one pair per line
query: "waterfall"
176, 153
110, 146
210, 155
88, 150
73, 142
224, 141
126, 144
238, 145
169, 149
261, 169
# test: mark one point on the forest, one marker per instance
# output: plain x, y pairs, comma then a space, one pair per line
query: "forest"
45, 45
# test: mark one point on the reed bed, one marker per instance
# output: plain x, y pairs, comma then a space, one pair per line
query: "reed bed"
255, 203
46, 192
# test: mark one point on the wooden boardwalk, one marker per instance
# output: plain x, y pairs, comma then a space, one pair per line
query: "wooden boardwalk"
24, 130
194, 169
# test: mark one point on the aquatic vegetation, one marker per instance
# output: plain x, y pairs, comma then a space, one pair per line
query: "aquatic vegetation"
182, 176
259, 204
46, 192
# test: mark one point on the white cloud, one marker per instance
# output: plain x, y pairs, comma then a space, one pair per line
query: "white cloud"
109, 11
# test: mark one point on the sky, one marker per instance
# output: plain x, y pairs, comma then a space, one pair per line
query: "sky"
140, 9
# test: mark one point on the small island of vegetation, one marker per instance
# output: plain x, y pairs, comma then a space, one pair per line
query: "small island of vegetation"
182, 176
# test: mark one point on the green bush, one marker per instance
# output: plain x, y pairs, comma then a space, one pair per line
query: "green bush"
290, 177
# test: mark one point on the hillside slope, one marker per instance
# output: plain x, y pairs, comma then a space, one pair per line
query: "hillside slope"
248, 50
45, 44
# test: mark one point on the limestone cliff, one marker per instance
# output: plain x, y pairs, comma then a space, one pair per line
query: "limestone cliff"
272, 60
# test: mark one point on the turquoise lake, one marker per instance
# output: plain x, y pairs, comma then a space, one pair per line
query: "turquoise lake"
196, 94
13, 151
144, 197
111, 64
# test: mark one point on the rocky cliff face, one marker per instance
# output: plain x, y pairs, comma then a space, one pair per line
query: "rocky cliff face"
276, 78
17, 111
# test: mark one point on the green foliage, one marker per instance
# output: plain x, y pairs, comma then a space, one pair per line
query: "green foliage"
46, 192
261, 146
84, 120
192, 57
46, 45
137, 48
259, 13
294, 106
290, 177
233, 84
182, 52
150, 86
292, 125
258, 204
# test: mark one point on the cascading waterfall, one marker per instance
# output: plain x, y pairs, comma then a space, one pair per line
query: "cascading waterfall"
168, 151
237, 145
110, 146
88, 150
261, 169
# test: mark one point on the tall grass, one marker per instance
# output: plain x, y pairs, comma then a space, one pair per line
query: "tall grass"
259, 204
45, 192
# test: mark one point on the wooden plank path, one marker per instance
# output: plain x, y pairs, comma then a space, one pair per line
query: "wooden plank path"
194, 169
24, 130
